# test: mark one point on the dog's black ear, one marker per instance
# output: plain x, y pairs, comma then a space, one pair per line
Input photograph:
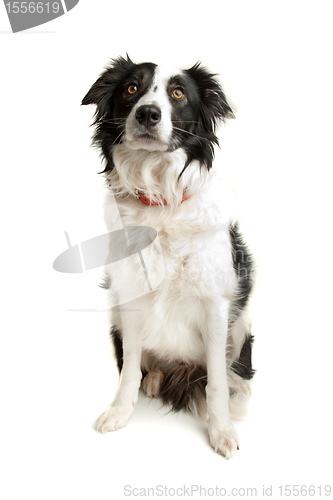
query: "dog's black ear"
214, 105
102, 90
213, 108
98, 90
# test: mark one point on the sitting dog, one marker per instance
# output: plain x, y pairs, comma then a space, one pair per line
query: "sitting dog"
188, 339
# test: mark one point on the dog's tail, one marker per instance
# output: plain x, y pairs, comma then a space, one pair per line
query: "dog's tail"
184, 386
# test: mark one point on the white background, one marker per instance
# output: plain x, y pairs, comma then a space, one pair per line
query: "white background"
275, 62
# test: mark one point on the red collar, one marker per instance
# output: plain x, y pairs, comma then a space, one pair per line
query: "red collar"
147, 201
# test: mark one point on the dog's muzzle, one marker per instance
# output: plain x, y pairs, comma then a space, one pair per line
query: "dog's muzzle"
148, 116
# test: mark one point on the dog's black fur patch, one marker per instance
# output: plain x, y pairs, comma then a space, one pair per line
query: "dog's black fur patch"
116, 338
106, 282
243, 365
182, 385
111, 107
243, 266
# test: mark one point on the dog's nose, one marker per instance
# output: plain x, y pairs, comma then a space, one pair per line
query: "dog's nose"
148, 115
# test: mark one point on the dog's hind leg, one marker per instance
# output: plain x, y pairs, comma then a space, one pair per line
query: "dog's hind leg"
151, 384
153, 374
237, 384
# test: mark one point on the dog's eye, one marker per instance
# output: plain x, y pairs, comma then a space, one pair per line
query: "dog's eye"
178, 93
132, 89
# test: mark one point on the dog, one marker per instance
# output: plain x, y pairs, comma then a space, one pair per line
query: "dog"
187, 340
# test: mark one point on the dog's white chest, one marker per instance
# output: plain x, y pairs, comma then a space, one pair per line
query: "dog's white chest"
177, 308
171, 322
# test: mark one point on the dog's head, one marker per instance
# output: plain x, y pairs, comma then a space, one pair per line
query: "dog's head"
157, 109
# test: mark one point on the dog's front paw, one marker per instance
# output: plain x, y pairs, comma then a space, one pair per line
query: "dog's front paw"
224, 440
113, 418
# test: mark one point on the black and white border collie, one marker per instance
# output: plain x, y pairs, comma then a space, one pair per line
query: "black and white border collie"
188, 339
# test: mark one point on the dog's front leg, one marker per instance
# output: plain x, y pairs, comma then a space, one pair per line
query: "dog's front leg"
121, 408
222, 435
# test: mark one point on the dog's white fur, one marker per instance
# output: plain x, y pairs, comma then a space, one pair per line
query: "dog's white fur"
186, 318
